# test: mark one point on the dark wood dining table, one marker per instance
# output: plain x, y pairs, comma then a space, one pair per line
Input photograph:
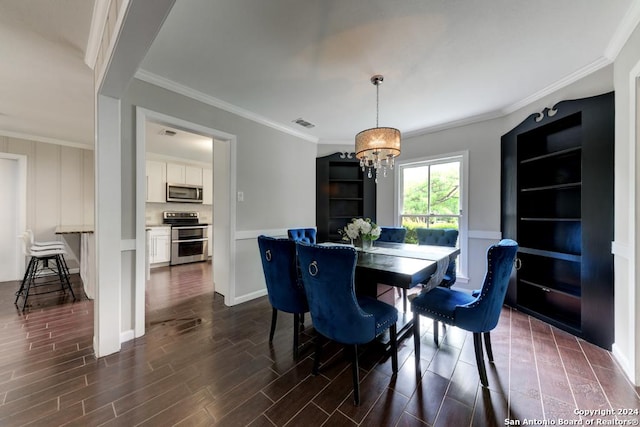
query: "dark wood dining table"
402, 265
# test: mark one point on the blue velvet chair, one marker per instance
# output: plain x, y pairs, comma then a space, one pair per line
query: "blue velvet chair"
306, 235
441, 237
328, 274
392, 234
477, 314
285, 291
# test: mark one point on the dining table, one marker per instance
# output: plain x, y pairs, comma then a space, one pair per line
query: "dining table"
401, 265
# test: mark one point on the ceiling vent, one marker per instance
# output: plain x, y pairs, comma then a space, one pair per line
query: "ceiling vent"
304, 123
168, 132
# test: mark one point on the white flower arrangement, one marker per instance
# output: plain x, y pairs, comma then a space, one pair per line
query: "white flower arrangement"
362, 228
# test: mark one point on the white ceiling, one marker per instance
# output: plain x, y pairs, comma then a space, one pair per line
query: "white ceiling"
444, 61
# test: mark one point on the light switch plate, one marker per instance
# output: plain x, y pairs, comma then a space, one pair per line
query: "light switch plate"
240, 196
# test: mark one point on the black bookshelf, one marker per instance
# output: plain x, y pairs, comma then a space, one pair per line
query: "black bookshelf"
343, 192
557, 202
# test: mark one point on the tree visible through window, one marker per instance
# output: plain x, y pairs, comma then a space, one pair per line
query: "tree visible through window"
430, 195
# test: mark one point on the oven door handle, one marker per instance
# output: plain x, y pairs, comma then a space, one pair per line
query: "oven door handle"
188, 227
189, 240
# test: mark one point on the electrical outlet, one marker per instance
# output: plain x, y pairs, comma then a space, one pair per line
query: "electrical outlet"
240, 196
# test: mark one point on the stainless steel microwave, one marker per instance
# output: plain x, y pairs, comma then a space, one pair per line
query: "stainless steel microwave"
184, 193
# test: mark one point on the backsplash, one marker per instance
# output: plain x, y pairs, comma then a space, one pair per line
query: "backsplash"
153, 211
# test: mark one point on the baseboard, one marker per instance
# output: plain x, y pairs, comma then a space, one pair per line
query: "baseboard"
127, 335
249, 297
624, 364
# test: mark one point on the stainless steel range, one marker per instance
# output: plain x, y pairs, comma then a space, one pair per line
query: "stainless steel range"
189, 237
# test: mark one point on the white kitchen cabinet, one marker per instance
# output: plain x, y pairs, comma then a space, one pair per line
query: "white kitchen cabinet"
176, 173
210, 245
193, 175
184, 174
156, 181
159, 245
207, 186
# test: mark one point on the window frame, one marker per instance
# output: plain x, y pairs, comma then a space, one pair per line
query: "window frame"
463, 223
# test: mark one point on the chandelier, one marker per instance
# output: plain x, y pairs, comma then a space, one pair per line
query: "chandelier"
377, 147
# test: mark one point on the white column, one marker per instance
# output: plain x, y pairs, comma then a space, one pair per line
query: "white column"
107, 305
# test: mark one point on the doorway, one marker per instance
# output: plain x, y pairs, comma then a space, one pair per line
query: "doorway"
13, 173
223, 184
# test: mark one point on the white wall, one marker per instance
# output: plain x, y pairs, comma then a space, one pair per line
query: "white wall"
626, 346
60, 188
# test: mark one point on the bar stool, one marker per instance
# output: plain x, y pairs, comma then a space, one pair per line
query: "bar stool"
43, 259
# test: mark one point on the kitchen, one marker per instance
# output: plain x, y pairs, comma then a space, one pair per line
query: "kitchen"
179, 196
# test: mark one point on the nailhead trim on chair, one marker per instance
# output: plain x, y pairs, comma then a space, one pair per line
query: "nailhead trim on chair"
379, 325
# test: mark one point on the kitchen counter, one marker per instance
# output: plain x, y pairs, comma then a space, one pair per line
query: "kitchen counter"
86, 257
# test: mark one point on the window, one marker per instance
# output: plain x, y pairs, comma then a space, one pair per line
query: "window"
431, 195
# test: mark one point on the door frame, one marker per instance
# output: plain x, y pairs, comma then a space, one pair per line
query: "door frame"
224, 225
20, 207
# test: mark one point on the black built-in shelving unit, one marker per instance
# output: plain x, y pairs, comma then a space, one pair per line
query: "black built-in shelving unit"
557, 202
343, 192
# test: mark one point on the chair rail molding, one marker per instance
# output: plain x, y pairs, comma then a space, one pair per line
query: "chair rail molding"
484, 234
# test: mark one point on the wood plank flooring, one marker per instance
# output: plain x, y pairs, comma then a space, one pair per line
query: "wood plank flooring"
203, 364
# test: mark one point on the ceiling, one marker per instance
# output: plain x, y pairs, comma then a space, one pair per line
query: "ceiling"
445, 62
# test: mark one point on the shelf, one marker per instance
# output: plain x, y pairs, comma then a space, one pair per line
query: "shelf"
559, 288
550, 254
552, 155
344, 180
568, 186
552, 219
346, 198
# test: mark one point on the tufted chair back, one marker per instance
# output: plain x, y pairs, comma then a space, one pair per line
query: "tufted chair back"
441, 237
482, 314
438, 237
279, 265
392, 234
305, 235
328, 274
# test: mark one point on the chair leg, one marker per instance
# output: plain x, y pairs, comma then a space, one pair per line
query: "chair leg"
274, 318
404, 300
27, 275
477, 344
30, 280
436, 333
356, 375
487, 345
416, 339
296, 334
316, 355
394, 348
62, 266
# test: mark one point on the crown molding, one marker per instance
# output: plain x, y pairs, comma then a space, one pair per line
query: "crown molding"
628, 24
554, 87
218, 103
98, 23
45, 139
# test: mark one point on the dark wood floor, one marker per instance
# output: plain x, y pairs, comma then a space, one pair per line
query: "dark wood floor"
202, 363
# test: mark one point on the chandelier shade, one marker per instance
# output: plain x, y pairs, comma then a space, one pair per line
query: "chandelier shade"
377, 147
